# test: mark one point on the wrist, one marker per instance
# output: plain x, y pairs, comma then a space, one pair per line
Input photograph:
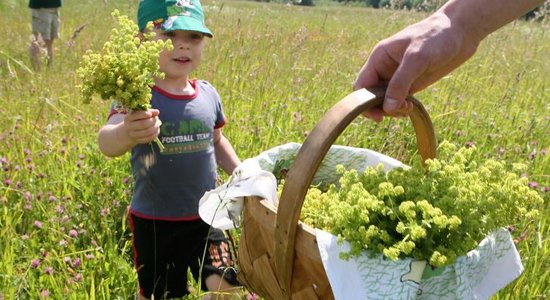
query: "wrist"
124, 139
466, 20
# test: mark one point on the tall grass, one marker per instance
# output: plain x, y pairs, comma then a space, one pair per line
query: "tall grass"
278, 69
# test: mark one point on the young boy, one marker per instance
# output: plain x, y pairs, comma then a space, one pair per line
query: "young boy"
168, 235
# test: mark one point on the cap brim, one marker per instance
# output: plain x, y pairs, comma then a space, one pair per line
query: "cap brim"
189, 24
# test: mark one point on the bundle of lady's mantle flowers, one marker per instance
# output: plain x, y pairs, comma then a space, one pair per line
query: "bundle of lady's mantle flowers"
124, 70
435, 213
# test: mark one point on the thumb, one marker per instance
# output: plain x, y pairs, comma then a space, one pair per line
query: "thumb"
154, 112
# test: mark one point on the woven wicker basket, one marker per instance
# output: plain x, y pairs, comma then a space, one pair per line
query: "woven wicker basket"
278, 255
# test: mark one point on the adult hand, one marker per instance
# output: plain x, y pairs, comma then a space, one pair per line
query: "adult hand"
423, 53
412, 59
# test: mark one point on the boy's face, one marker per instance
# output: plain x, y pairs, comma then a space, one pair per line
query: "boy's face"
186, 55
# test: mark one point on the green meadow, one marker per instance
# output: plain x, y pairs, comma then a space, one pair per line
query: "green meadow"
278, 68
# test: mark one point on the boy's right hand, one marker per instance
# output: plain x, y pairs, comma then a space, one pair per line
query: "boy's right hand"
142, 126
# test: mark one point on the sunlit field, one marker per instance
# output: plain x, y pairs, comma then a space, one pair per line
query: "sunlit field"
278, 68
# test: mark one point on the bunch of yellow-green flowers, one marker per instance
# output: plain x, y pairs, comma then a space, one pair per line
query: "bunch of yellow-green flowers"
434, 213
125, 68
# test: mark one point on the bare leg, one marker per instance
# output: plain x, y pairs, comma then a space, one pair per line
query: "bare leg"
49, 48
140, 297
34, 51
225, 290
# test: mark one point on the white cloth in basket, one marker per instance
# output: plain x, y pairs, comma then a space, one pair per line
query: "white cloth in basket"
222, 206
478, 275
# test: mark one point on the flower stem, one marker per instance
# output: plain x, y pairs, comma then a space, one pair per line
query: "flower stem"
159, 144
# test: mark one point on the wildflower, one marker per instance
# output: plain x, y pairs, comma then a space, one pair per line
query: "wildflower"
469, 144
37, 224
533, 154
44, 294
78, 277
25, 237
35, 263
52, 198
7, 182
77, 262
66, 259
27, 195
73, 233
533, 184
48, 271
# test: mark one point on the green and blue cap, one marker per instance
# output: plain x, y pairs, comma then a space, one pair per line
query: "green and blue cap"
173, 15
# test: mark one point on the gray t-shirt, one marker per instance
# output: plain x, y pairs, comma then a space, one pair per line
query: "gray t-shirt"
169, 185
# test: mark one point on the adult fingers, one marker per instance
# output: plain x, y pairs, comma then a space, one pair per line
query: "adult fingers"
367, 76
378, 69
399, 86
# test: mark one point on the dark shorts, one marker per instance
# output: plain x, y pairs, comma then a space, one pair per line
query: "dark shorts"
165, 250
46, 22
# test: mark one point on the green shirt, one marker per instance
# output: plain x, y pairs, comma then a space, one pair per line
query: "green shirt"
45, 3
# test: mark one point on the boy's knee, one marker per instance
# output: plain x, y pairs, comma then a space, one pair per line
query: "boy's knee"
224, 290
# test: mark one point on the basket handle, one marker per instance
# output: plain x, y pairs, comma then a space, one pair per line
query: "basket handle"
309, 157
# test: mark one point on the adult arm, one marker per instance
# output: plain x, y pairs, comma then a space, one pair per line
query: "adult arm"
423, 53
226, 157
124, 131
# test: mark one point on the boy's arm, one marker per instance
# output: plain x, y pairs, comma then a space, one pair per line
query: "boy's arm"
226, 157
124, 131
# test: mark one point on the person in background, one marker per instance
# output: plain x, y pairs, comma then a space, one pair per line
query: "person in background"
169, 237
423, 53
46, 25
